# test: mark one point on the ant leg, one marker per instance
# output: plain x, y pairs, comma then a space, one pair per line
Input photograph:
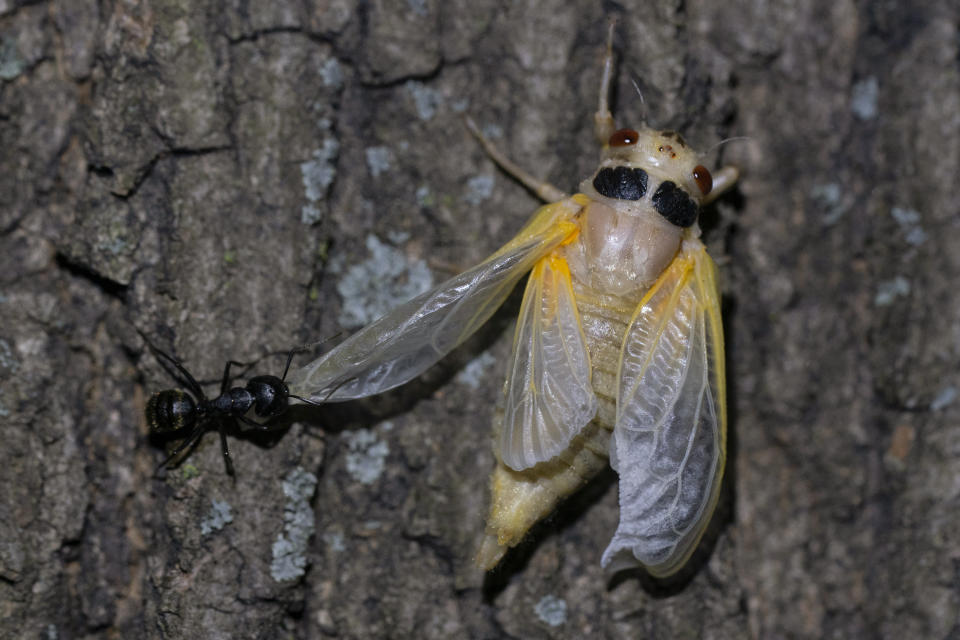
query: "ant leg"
226, 375
287, 367
227, 460
603, 120
259, 426
184, 448
330, 393
300, 349
290, 355
284, 377
251, 423
189, 379
313, 402
544, 190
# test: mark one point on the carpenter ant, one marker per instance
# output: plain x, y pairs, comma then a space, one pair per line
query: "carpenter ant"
263, 399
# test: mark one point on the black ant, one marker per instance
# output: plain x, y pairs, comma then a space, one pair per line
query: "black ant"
175, 410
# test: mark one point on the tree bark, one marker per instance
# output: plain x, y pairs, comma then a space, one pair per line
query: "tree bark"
230, 180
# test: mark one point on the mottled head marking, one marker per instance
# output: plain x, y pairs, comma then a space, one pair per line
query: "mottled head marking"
676, 136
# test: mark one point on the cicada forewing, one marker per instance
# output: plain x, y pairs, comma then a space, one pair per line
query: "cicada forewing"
548, 397
669, 440
406, 341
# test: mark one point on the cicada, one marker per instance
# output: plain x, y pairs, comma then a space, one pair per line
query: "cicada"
617, 353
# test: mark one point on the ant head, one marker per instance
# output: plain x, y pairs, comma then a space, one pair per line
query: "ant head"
171, 410
271, 395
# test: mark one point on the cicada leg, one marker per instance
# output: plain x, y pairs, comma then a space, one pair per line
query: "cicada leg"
603, 119
544, 190
722, 180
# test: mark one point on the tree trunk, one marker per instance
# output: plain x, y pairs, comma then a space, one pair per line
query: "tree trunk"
228, 181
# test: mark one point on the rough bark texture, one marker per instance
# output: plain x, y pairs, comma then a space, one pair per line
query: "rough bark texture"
233, 179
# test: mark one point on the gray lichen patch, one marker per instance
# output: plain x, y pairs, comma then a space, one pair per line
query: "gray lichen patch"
829, 198
381, 282
332, 73
11, 63
479, 188
219, 516
910, 223
9, 364
552, 610
317, 175
366, 455
290, 547
944, 398
319, 171
475, 371
863, 99
889, 290
426, 99
335, 541
379, 160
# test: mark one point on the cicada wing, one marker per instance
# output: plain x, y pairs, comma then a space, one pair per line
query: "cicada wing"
669, 441
406, 341
548, 394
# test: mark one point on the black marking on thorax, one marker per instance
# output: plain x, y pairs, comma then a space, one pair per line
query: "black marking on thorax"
622, 183
675, 205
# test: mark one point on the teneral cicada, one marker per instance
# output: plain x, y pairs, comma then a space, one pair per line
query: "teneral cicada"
618, 350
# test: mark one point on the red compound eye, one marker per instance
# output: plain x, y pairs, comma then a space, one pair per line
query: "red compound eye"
623, 138
703, 179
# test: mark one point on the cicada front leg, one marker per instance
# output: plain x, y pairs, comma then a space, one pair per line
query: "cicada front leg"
544, 190
603, 119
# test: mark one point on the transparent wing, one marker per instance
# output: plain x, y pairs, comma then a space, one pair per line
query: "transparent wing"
548, 394
405, 342
669, 441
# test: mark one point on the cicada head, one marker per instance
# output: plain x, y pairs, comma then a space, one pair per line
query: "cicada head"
652, 166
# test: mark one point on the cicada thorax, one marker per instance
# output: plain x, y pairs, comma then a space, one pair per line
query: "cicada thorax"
620, 251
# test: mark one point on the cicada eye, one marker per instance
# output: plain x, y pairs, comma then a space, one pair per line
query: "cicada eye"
623, 138
703, 179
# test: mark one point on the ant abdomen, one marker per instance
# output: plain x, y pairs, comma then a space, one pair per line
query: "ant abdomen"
171, 410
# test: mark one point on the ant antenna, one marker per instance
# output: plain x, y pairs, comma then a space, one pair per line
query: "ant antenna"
307, 347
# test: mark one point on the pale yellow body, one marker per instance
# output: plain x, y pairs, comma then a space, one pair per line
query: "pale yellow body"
518, 499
